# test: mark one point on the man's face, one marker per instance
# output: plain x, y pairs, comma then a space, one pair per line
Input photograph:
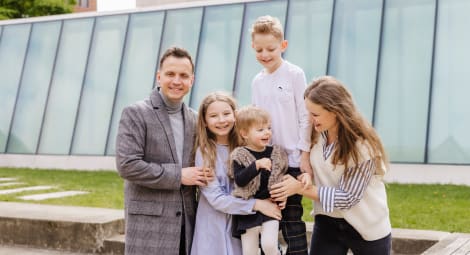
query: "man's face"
175, 78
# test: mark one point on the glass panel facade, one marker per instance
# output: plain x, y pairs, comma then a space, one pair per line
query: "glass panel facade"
449, 130
404, 80
218, 50
182, 28
13, 44
308, 34
64, 95
354, 49
99, 89
138, 66
34, 87
248, 66
64, 81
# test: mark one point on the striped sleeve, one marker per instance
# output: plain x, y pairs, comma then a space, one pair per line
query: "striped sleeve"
351, 188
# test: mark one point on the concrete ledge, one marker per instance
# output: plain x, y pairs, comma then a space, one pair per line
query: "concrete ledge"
455, 243
78, 229
100, 231
405, 241
429, 174
114, 245
411, 241
85, 163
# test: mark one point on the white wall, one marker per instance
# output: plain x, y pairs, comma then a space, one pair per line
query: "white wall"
115, 5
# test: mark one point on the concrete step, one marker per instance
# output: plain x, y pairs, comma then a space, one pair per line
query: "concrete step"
414, 241
455, 244
114, 245
66, 228
405, 241
85, 230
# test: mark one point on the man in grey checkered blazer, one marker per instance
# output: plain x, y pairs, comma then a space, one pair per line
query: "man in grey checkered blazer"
153, 155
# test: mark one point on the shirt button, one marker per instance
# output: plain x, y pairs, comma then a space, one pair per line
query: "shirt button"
178, 214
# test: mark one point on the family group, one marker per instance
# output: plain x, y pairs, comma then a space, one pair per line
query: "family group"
224, 180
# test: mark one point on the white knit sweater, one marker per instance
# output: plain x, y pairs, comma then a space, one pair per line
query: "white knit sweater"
370, 216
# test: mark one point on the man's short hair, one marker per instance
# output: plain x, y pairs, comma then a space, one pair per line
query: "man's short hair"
176, 52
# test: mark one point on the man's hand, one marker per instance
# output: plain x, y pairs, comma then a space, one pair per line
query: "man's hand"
196, 176
305, 179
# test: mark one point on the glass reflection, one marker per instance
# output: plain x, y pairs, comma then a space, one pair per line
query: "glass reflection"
13, 44
34, 87
99, 89
64, 95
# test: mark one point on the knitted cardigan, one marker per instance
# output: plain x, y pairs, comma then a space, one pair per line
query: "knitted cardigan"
242, 156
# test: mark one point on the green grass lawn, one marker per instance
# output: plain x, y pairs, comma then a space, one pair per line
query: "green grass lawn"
433, 207
105, 187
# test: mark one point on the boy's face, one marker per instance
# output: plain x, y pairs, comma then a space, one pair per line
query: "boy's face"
268, 50
257, 137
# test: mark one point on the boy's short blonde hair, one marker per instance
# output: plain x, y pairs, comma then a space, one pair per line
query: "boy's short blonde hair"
249, 116
268, 25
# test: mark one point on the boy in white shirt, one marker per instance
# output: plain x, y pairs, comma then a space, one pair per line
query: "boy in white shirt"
279, 89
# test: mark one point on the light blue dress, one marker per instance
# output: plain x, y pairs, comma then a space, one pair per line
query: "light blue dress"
213, 230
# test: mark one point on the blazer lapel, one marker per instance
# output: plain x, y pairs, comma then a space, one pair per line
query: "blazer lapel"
162, 115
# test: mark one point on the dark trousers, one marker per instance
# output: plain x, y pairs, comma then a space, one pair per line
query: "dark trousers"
183, 241
292, 227
332, 236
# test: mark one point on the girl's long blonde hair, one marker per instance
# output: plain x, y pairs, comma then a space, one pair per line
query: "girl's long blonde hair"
333, 96
205, 139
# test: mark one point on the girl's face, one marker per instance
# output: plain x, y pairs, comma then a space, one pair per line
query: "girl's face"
257, 136
322, 120
220, 120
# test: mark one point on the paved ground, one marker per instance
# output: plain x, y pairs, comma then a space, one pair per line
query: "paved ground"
10, 250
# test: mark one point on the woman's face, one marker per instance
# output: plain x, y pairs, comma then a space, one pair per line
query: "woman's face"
322, 120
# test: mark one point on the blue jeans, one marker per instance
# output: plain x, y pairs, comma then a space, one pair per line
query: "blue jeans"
332, 236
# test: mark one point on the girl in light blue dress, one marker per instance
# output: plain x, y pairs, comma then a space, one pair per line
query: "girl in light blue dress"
216, 138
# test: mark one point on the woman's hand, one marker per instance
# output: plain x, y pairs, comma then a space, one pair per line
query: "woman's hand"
288, 187
268, 208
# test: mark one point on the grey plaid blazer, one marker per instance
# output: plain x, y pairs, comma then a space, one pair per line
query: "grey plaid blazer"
154, 197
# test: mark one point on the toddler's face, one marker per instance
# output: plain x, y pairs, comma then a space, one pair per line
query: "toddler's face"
258, 136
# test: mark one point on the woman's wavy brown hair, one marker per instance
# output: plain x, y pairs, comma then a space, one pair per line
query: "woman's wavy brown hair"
333, 96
